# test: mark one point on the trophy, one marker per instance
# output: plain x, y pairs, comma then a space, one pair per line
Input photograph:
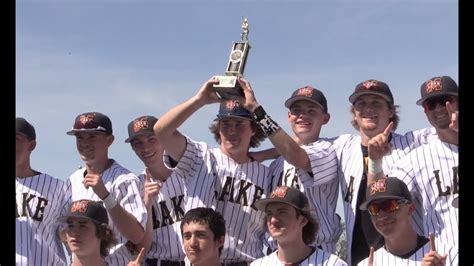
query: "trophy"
228, 86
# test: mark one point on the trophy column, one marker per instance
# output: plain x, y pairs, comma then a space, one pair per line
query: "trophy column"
228, 86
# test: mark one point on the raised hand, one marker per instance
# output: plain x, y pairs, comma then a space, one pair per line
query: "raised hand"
206, 93
250, 102
454, 114
432, 258
379, 145
139, 259
152, 187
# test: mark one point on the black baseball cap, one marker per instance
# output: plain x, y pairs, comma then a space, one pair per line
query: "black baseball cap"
25, 128
437, 86
308, 93
91, 121
386, 188
284, 194
233, 108
372, 86
92, 210
141, 125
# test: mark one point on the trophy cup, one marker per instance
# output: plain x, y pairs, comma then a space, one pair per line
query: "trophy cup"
228, 86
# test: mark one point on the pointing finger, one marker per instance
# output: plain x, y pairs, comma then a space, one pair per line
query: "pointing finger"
388, 129
432, 242
140, 256
371, 257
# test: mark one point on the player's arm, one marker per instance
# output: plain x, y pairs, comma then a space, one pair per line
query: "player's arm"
263, 155
284, 144
126, 223
166, 127
151, 189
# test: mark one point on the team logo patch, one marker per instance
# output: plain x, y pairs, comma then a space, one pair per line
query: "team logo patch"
79, 206
379, 186
370, 83
279, 192
140, 124
84, 119
433, 85
232, 104
305, 91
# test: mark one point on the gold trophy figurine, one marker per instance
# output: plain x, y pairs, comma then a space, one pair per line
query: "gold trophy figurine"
228, 86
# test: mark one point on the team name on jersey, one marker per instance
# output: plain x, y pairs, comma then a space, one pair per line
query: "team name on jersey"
246, 190
447, 190
25, 200
170, 213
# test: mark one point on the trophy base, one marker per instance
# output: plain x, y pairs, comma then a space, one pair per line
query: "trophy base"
228, 88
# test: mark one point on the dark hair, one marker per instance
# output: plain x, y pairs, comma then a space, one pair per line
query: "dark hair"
395, 118
254, 141
103, 232
310, 230
206, 216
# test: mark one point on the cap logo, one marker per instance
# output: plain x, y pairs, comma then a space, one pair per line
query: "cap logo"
433, 85
86, 118
232, 104
379, 186
305, 91
279, 192
370, 83
140, 124
79, 206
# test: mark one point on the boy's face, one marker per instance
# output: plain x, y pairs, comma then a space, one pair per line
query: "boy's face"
199, 244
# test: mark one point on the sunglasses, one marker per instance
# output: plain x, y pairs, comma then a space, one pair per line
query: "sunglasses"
91, 124
431, 103
386, 206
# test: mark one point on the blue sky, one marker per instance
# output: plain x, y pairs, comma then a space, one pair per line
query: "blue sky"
129, 58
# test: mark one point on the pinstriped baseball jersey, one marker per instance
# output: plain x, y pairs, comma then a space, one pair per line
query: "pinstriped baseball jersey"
431, 173
125, 187
318, 257
167, 211
216, 180
38, 205
322, 192
351, 169
383, 257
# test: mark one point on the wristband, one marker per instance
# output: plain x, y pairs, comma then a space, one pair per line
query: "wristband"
109, 202
265, 121
375, 166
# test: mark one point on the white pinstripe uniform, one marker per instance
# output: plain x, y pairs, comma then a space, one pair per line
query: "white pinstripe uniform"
431, 173
168, 210
322, 190
38, 205
318, 257
383, 257
215, 180
124, 186
350, 169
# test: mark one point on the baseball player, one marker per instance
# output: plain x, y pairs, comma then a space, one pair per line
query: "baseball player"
431, 170
225, 178
86, 233
104, 179
164, 196
38, 205
290, 223
307, 113
203, 231
391, 208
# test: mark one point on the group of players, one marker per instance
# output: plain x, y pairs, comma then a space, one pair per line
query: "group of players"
287, 210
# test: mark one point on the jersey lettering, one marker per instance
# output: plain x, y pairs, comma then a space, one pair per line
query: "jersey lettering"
448, 191
166, 215
26, 211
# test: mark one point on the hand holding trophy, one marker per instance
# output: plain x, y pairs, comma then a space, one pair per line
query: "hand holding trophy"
228, 86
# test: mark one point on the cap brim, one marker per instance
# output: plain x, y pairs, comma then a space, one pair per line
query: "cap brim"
129, 139
420, 101
354, 97
365, 204
64, 219
74, 131
219, 117
292, 100
262, 203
